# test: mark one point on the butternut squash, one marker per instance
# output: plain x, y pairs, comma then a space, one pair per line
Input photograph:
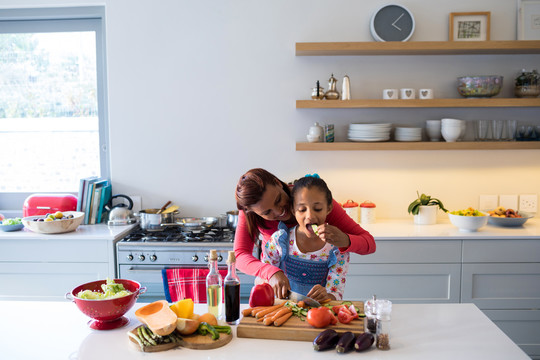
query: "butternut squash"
158, 317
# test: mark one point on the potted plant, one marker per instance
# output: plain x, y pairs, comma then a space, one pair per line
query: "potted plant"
424, 209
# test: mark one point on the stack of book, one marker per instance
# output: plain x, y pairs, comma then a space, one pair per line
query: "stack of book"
94, 194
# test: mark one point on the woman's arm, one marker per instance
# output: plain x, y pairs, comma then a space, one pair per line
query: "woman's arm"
360, 240
243, 249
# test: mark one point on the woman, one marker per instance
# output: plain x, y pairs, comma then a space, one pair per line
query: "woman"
264, 201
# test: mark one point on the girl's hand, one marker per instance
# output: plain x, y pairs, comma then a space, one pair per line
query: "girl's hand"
318, 293
280, 284
333, 235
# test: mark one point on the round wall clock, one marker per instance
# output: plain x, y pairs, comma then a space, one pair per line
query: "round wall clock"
392, 23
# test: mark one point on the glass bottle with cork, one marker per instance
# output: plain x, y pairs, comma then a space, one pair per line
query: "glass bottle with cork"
232, 292
214, 286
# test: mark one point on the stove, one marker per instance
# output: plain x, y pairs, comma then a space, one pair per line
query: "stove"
142, 255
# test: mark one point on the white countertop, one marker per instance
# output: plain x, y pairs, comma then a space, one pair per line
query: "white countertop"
58, 330
83, 232
391, 229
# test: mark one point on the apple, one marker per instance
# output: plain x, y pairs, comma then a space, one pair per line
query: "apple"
187, 326
2, 217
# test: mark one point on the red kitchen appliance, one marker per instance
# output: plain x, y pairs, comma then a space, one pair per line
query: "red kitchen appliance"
41, 204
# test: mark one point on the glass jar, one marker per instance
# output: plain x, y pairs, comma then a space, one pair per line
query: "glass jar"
384, 311
370, 310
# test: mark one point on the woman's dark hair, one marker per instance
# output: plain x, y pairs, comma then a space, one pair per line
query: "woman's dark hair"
249, 191
309, 182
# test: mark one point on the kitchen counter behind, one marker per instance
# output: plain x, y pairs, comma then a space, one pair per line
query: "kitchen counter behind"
83, 232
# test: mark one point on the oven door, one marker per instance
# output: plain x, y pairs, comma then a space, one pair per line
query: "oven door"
151, 277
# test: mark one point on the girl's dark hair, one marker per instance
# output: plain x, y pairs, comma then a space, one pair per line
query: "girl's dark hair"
249, 191
309, 182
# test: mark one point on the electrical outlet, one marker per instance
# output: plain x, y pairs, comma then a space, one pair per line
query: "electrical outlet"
508, 201
528, 202
488, 202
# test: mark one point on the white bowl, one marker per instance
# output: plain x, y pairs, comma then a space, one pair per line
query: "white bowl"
451, 133
313, 138
56, 226
455, 122
468, 223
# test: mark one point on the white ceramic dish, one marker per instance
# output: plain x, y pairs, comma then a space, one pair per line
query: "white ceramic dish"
56, 226
468, 223
510, 222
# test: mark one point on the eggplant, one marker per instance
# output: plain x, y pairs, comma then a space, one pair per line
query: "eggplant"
346, 342
364, 341
326, 340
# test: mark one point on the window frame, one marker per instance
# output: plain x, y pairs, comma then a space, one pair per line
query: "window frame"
58, 19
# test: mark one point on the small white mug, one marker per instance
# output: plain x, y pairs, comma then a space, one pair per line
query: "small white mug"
425, 94
407, 94
390, 94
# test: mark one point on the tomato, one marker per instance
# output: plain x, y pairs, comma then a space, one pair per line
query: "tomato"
261, 295
352, 309
345, 317
336, 308
319, 317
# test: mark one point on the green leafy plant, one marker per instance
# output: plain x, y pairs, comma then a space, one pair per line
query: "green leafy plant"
424, 200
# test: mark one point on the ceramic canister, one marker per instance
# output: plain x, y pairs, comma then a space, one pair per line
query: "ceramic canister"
367, 212
351, 208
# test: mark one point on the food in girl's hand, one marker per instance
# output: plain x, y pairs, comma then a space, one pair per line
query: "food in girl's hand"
364, 341
111, 290
326, 340
158, 317
315, 229
261, 295
467, 212
504, 213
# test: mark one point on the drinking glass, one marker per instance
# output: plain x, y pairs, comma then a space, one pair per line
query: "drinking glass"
510, 130
497, 128
482, 130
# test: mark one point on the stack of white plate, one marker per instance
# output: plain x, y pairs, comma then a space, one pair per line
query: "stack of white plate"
369, 132
408, 134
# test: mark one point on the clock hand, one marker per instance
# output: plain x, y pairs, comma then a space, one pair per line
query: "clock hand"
394, 23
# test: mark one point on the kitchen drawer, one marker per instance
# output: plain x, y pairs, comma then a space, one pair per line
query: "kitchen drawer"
501, 251
46, 281
404, 283
522, 326
501, 286
412, 252
52, 250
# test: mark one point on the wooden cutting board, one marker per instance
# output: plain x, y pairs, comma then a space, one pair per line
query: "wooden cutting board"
295, 329
197, 342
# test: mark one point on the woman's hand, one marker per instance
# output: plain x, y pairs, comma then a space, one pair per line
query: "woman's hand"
333, 235
280, 284
318, 293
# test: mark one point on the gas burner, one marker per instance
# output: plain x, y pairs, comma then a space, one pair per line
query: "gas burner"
181, 234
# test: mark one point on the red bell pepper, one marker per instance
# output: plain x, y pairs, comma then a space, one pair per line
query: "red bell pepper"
261, 295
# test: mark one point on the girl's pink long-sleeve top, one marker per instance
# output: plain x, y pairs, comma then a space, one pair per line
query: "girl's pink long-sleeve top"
362, 241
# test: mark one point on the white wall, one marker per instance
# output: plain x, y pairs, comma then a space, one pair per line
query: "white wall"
201, 91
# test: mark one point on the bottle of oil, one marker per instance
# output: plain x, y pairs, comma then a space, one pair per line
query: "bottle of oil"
232, 292
214, 286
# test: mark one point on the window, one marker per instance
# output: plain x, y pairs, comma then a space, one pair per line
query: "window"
53, 125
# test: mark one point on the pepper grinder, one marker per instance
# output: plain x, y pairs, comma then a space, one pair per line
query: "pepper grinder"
318, 92
332, 93
346, 89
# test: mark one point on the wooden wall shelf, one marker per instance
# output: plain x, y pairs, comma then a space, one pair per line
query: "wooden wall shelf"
416, 103
437, 145
417, 48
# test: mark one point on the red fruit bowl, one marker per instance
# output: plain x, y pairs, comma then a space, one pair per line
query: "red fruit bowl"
108, 314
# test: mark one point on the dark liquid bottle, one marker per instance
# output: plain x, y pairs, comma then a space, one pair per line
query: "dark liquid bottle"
232, 292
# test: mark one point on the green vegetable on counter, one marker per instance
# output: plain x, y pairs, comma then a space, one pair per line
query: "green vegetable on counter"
111, 290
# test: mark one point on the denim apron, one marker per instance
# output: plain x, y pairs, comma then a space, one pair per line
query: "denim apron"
303, 274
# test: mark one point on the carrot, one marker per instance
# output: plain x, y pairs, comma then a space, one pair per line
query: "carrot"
267, 321
268, 310
280, 321
280, 313
327, 300
301, 304
247, 312
256, 310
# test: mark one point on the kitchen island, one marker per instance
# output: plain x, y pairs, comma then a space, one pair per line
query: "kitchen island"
58, 330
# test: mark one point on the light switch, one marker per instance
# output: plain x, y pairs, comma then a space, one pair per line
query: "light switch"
488, 202
508, 201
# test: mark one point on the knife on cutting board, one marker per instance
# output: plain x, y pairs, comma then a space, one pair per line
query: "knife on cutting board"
296, 297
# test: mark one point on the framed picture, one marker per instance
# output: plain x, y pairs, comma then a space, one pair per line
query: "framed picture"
528, 20
469, 26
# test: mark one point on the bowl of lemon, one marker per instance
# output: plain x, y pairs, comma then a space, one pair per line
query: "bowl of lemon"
468, 220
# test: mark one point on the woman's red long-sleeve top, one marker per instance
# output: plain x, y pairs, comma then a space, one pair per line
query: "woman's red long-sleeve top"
362, 241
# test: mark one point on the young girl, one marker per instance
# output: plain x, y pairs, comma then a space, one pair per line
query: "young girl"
314, 268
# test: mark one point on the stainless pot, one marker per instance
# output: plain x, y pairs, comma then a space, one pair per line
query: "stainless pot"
232, 219
149, 219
